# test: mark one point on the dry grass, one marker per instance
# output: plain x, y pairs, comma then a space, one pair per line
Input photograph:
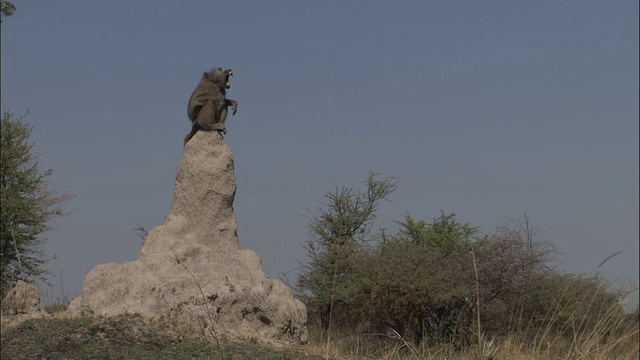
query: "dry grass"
584, 321
614, 336
591, 345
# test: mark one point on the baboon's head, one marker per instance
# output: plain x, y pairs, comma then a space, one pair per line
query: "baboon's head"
220, 77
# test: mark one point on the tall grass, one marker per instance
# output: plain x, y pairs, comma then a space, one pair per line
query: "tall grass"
563, 333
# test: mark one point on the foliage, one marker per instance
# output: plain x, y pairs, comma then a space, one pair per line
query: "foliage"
417, 281
444, 235
27, 205
443, 282
6, 9
338, 234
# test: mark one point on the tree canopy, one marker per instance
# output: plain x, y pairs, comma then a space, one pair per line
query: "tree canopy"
27, 202
6, 9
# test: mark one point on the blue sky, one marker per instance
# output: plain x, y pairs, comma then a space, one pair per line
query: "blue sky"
487, 110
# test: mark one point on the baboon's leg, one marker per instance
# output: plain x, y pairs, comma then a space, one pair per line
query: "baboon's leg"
204, 120
219, 120
207, 116
209, 119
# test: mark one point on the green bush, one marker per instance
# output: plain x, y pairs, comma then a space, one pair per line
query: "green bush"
430, 282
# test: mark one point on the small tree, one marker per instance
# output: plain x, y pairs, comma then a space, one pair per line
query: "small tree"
27, 205
337, 234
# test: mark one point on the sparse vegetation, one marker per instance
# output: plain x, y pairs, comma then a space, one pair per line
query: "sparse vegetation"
122, 337
132, 337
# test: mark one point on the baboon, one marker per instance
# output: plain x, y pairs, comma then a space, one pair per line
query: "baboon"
208, 104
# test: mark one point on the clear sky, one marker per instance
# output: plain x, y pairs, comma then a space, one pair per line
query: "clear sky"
485, 109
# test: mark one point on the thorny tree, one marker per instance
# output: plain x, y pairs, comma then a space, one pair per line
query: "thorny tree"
28, 204
336, 233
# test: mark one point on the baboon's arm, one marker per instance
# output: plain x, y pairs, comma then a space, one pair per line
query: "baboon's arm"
233, 104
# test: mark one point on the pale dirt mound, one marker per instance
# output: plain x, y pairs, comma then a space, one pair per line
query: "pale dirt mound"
191, 270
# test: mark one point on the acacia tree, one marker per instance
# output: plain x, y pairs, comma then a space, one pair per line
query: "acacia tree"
416, 281
27, 205
337, 234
